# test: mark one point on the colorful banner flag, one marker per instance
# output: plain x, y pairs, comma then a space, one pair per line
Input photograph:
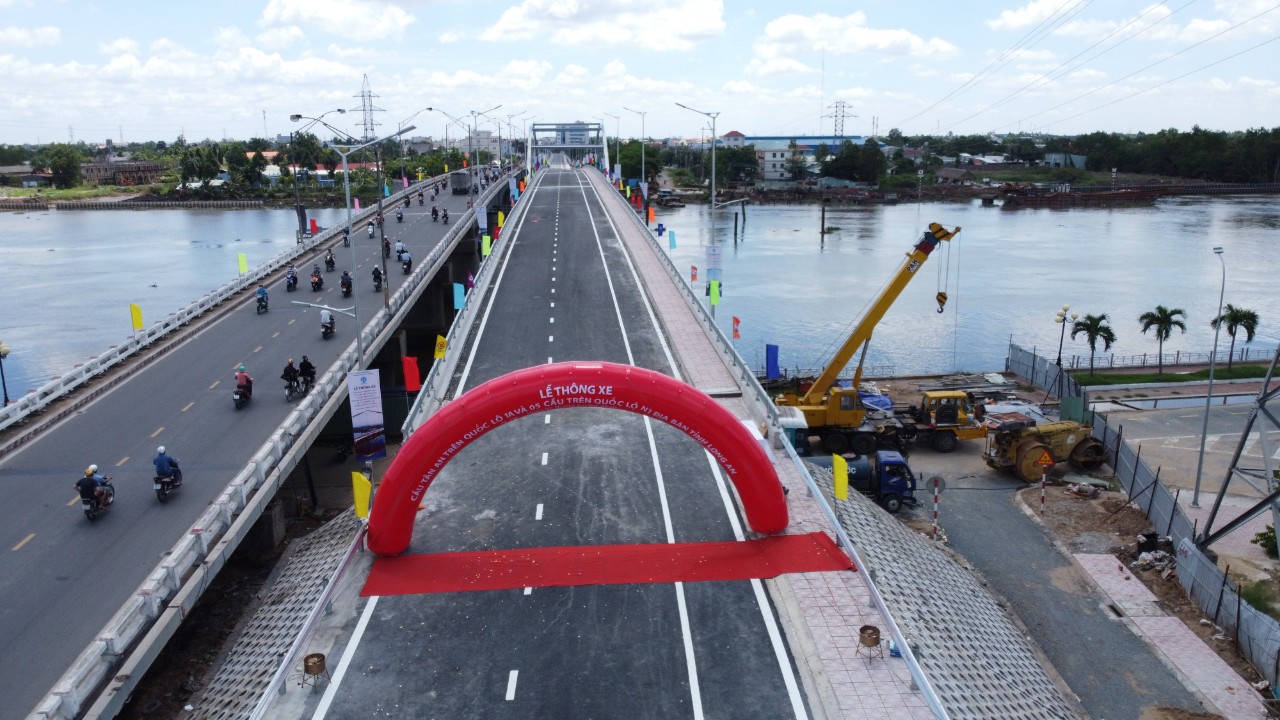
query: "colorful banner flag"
771, 361
357, 201
242, 263
471, 280
412, 378
459, 296
486, 245
386, 190
315, 227
405, 182
693, 273
736, 335
441, 346
652, 216
502, 219
446, 168
671, 238
715, 292
135, 316
361, 490
364, 392
840, 474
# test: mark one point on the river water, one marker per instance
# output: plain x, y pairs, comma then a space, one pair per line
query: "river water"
67, 278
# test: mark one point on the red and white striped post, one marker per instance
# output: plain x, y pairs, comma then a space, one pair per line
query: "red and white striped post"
1044, 480
935, 506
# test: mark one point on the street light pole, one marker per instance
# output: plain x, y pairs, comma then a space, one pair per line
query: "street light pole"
713, 116
471, 135
4, 353
1061, 318
346, 188
644, 170
297, 196
1213, 362
511, 135
617, 137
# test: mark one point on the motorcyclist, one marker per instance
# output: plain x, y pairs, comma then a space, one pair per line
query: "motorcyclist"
94, 487
386, 247
307, 372
399, 215
435, 213
345, 281
326, 320
406, 200
400, 249
329, 262
377, 275
419, 197
406, 262
371, 229
444, 216
167, 466
291, 274
317, 280
244, 382
290, 375
262, 294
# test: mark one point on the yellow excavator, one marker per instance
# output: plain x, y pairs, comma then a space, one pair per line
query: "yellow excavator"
837, 416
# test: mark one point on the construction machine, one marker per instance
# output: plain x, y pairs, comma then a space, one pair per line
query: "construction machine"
836, 414
1016, 442
941, 420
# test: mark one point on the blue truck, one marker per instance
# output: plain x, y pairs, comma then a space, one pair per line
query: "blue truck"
883, 476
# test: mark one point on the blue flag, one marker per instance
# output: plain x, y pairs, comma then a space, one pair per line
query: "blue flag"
459, 296
771, 361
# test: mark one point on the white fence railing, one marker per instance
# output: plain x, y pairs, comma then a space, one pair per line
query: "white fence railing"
150, 616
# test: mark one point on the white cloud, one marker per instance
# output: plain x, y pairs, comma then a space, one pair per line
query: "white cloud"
358, 18
572, 75
777, 66
30, 37
119, 46
790, 36
1026, 16
660, 25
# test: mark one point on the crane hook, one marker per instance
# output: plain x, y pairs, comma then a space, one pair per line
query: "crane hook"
942, 300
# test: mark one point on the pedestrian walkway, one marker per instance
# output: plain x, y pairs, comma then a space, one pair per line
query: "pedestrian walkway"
976, 658
1199, 666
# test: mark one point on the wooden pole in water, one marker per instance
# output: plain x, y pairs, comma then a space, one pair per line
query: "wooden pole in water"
822, 228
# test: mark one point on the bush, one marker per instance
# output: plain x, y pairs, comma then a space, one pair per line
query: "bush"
1267, 540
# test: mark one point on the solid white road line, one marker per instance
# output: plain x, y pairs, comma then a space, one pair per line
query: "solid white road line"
330, 692
544, 458
537, 514
511, 684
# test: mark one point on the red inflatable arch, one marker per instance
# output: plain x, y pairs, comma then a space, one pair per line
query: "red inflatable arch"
527, 392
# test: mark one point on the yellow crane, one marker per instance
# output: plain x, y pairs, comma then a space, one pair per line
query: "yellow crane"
836, 414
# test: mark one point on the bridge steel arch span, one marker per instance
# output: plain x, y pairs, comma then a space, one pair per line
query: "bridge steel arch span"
525, 393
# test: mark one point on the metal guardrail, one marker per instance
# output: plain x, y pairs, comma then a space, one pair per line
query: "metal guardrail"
768, 412
137, 632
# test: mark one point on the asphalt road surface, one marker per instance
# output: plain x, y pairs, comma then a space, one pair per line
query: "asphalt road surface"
62, 577
568, 478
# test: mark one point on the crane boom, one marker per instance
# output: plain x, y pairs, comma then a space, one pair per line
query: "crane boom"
862, 333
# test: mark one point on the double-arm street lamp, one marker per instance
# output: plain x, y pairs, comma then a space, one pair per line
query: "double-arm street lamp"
511, 134
617, 126
713, 116
1064, 320
644, 171
297, 197
1213, 362
346, 187
4, 353
401, 124
471, 137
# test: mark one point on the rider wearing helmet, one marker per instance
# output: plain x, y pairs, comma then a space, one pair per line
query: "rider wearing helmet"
307, 371
244, 382
290, 374
93, 487
166, 466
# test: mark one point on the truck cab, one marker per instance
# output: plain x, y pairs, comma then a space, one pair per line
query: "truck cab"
945, 417
883, 476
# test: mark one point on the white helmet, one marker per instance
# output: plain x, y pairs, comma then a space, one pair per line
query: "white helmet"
91, 470
160, 450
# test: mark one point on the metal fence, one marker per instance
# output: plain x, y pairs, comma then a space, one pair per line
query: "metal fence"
1042, 373
1102, 361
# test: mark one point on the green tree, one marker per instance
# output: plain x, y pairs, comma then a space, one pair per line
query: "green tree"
795, 162
1164, 321
1234, 319
1094, 328
62, 161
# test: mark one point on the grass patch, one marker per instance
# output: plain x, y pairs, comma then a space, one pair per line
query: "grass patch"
1242, 372
1261, 595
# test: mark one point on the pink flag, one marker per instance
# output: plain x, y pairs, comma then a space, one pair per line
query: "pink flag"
357, 204
471, 281
406, 182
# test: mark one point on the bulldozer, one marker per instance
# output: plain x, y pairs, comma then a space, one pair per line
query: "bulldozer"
1016, 442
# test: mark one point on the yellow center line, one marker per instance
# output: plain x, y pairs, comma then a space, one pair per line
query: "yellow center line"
158, 431
125, 459
215, 384
188, 407
25, 540
74, 500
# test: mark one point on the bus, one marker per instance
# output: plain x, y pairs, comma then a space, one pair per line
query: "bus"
460, 182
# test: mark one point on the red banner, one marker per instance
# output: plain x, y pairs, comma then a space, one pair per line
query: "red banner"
412, 380
736, 334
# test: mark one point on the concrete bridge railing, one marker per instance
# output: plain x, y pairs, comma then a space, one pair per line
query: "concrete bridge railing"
134, 636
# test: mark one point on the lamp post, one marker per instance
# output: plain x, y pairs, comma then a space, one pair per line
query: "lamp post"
1062, 319
1213, 362
401, 124
511, 135
617, 136
644, 171
471, 135
297, 197
346, 188
711, 115
4, 353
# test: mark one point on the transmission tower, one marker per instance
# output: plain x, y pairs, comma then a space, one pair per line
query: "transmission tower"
840, 110
366, 106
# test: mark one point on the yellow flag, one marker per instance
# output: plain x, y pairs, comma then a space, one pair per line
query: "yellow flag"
485, 245
840, 471
501, 218
715, 292
135, 313
441, 346
361, 488
242, 261
446, 168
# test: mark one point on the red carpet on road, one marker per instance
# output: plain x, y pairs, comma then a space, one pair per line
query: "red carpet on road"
604, 565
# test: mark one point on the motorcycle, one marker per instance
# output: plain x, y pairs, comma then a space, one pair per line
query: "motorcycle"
291, 389
435, 215
444, 217
163, 485
330, 263
262, 304
317, 282
346, 240
93, 508
399, 216
406, 202
386, 248
327, 329
371, 228
346, 288
377, 283
308, 382
407, 265
291, 283
419, 199
240, 396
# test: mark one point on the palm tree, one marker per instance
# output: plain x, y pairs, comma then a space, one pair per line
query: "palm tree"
1235, 318
1095, 328
1164, 321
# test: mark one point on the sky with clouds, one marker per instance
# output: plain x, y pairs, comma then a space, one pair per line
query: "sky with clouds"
147, 70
